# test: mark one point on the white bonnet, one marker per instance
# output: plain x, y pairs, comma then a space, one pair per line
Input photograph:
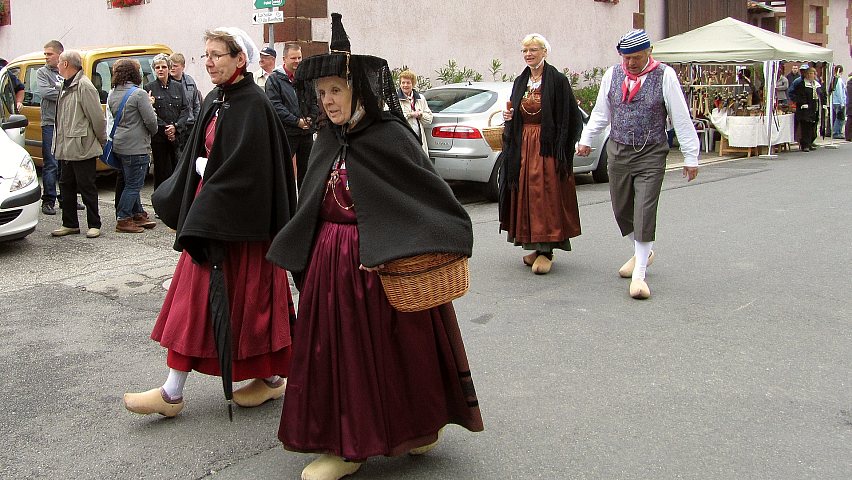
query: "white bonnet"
245, 43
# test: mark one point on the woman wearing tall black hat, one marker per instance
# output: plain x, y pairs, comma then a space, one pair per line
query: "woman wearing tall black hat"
228, 309
538, 197
367, 380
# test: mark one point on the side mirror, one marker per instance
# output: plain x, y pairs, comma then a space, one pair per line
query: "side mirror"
15, 121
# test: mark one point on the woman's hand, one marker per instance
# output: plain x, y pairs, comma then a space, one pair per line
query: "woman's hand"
507, 114
171, 132
371, 269
416, 114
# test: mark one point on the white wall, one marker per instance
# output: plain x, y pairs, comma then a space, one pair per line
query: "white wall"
423, 35
838, 40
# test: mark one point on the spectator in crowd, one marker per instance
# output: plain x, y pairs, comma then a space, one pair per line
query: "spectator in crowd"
17, 85
267, 65
414, 106
49, 83
79, 139
837, 90
807, 93
296, 111
192, 93
131, 142
781, 86
172, 106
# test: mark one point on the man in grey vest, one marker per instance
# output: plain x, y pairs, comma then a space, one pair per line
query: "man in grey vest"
635, 99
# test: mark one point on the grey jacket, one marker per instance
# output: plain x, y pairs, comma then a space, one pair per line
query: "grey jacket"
49, 83
138, 121
80, 131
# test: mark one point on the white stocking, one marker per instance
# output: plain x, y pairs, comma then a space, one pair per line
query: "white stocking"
642, 251
174, 384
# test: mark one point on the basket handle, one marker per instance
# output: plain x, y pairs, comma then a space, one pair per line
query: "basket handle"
490, 117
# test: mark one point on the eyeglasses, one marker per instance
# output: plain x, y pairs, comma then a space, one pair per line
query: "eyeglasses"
213, 56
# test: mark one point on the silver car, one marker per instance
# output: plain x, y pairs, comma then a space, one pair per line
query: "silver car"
455, 140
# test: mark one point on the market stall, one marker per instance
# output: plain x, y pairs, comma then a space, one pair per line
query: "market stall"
732, 43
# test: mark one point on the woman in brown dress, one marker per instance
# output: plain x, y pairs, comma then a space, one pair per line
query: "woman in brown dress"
538, 197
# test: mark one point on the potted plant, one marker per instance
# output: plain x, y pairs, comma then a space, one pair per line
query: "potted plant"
126, 3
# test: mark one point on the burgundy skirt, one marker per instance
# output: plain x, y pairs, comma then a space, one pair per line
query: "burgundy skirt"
367, 380
261, 311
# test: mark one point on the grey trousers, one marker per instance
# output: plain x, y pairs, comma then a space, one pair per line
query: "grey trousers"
635, 182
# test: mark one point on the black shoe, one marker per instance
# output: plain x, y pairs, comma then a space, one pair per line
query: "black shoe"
80, 206
47, 209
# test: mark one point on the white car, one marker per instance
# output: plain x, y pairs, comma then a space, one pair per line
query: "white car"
20, 193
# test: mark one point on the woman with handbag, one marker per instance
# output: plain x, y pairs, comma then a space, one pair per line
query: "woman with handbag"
231, 193
538, 197
367, 380
131, 142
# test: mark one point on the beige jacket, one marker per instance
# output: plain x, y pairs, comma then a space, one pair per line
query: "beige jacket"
80, 131
419, 125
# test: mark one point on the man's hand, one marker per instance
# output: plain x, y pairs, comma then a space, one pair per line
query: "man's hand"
304, 124
690, 173
170, 132
583, 150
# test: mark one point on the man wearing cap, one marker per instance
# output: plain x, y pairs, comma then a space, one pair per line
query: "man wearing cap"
635, 98
267, 64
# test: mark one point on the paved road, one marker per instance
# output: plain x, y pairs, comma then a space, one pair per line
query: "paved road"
737, 367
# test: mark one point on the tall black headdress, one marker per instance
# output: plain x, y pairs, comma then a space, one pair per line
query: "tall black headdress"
369, 76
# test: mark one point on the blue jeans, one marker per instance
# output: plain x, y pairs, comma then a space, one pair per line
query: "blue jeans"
50, 170
134, 168
839, 119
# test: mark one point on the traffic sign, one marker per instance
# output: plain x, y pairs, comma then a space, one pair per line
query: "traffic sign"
268, 3
276, 16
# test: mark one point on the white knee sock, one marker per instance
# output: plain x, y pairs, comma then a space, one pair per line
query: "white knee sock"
642, 251
174, 384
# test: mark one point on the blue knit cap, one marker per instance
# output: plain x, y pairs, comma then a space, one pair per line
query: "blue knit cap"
633, 41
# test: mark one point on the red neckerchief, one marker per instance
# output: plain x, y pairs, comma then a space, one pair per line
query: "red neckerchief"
628, 93
291, 76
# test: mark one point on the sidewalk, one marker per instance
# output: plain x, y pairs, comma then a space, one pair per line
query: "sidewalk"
675, 158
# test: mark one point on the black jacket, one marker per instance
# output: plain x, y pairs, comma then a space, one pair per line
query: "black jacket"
289, 107
248, 190
402, 206
804, 95
172, 106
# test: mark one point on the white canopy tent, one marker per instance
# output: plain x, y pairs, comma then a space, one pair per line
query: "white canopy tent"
732, 41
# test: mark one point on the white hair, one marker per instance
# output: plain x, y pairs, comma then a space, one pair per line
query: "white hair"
538, 39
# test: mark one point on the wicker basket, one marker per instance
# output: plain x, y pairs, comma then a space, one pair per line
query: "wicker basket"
425, 281
494, 135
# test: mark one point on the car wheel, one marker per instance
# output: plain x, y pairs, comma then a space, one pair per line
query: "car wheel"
491, 190
600, 174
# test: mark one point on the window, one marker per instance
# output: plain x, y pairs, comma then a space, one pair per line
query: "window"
7, 96
32, 97
460, 100
102, 72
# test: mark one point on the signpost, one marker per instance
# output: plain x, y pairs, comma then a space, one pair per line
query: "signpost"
270, 17
258, 4
276, 16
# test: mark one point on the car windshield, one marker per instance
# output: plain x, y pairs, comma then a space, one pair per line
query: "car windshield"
460, 100
102, 72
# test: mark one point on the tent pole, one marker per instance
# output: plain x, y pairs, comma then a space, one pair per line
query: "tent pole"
770, 77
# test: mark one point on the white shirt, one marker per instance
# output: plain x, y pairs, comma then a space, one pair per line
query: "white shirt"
675, 105
260, 77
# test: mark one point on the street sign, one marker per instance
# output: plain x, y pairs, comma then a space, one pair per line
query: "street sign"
268, 3
276, 16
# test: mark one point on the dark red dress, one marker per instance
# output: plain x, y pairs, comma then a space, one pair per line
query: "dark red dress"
367, 380
261, 310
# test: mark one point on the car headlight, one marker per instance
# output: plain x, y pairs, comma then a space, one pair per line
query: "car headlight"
26, 175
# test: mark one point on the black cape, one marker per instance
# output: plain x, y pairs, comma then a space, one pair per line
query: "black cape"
249, 189
402, 206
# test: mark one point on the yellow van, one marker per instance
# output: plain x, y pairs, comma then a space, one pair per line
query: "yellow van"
97, 65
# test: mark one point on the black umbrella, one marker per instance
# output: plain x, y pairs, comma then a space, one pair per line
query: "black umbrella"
220, 315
